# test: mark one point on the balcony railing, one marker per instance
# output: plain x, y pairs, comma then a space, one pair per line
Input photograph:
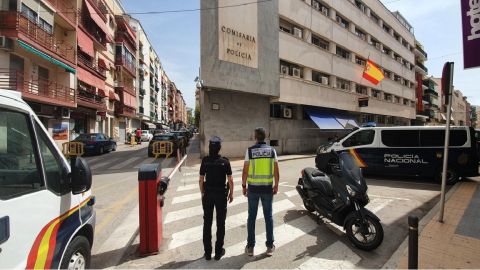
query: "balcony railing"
420, 65
65, 9
431, 92
130, 66
32, 33
39, 90
92, 65
90, 100
128, 89
421, 50
91, 29
141, 92
124, 110
141, 110
101, 8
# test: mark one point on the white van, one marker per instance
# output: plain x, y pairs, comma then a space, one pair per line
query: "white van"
408, 151
46, 210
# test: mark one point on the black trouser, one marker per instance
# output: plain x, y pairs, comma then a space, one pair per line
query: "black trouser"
211, 199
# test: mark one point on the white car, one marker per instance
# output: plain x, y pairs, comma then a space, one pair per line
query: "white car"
146, 135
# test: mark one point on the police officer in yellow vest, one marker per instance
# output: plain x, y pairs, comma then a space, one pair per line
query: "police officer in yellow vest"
260, 171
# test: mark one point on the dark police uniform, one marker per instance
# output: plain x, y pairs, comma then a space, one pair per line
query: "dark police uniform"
216, 169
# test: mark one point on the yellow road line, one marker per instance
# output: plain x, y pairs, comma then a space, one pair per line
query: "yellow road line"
114, 210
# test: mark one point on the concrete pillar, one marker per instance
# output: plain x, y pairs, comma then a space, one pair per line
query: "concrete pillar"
369, 91
367, 11
333, 81
369, 39
353, 87
352, 27
333, 48
307, 74
333, 14
380, 22
352, 57
307, 35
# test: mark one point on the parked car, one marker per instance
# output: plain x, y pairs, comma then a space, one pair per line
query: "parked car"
182, 135
163, 137
146, 135
96, 143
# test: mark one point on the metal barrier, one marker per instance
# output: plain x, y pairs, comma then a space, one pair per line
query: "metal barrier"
162, 148
72, 149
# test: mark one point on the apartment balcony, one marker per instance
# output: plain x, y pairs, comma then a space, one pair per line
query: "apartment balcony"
15, 24
125, 33
431, 92
88, 99
66, 10
91, 65
128, 89
153, 99
141, 92
141, 110
42, 91
100, 7
421, 68
157, 89
124, 110
129, 66
420, 52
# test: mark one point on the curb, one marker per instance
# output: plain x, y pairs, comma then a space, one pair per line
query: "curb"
392, 263
296, 158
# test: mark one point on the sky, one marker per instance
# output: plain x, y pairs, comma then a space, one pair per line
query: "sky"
176, 38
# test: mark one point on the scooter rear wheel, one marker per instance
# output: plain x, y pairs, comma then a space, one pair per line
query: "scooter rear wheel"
365, 234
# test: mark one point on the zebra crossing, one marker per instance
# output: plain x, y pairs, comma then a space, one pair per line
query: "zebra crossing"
300, 237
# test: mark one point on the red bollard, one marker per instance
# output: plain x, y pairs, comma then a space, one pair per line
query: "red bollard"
150, 213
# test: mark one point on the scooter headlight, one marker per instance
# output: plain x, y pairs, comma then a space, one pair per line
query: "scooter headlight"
351, 191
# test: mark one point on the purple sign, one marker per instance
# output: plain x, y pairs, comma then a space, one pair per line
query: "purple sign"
471, 33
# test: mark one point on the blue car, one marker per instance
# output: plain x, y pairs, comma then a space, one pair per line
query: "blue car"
96, 143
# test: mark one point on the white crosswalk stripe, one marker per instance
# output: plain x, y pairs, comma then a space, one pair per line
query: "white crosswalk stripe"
336, 256
124, 163
195, 234
194, 186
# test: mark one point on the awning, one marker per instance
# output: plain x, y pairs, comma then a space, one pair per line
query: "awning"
129, 100
90, 79
113, 96
150, 125
85, 43
96, 18
324, 120
102, 64
46, 56
445, 117
101, 93
347, 122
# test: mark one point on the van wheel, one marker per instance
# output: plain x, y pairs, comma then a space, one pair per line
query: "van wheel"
77, 255
452, 177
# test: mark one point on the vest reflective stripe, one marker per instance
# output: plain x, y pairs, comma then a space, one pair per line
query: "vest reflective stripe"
260, 172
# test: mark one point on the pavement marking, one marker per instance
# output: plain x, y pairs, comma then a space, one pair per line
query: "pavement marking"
195, 186
336, 256
187, 198
284, 234
185, 180
124, 163
114, 209
98, 165
291, 193
194, 234
376, 205
149, 160
393, 198
197, 210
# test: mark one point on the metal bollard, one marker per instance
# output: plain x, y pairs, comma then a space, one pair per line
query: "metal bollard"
150, 210
412, 242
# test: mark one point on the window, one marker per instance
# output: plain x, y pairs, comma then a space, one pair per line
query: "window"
29, 13
318, 5
396, 99
360, 5
368, 118
386, 28
406, 102
387, 73
390, 120
396, 78
410, 138
364, 137
20, 172
320, 77
376, 43
360, 34
436, 138
376, 93
45, 25
320, 42
381, 119
360, 61
290, 28
386, 50
343, 84
344, 23
360, 89
343, 53
54, 170
374, 17
287, 68
388, 97
396, 36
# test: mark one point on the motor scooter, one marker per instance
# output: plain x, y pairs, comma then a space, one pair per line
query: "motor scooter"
337, 191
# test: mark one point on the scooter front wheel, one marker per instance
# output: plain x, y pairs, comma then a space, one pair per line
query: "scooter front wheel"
366, 234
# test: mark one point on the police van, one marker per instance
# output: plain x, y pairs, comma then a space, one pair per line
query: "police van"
46, 208
409, 151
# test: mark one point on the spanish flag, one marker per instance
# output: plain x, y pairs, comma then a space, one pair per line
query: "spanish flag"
372, 73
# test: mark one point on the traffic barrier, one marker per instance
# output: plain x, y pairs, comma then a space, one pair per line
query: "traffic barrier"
412, 242
162, 148
72, 149
152, 188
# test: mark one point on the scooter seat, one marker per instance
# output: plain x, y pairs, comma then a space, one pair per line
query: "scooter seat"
319, 180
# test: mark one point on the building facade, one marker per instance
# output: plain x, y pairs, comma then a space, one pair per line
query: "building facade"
298, 61
79, 66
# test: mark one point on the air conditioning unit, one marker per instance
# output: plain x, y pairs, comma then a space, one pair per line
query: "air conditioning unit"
324, 80
287, 113
316, 5
325, 11
296, 72
6, 43
283, 70
297, 32
378, 45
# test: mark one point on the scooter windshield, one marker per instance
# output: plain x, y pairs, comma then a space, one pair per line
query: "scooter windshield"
349, 167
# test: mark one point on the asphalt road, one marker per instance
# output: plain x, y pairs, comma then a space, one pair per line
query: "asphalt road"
303, 240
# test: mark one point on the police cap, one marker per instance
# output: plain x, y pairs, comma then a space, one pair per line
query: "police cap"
215, 140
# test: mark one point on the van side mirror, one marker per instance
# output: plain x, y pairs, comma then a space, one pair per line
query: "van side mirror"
81, 176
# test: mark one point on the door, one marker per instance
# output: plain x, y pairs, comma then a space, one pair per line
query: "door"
43, 77
17, 69
122, 129
32, 193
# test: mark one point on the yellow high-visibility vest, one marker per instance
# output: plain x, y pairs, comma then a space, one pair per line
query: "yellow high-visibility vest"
261, 165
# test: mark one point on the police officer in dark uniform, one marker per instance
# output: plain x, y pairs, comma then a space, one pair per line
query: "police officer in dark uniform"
214, 172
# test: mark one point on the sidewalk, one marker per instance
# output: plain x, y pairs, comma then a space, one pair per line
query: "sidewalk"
456, 242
